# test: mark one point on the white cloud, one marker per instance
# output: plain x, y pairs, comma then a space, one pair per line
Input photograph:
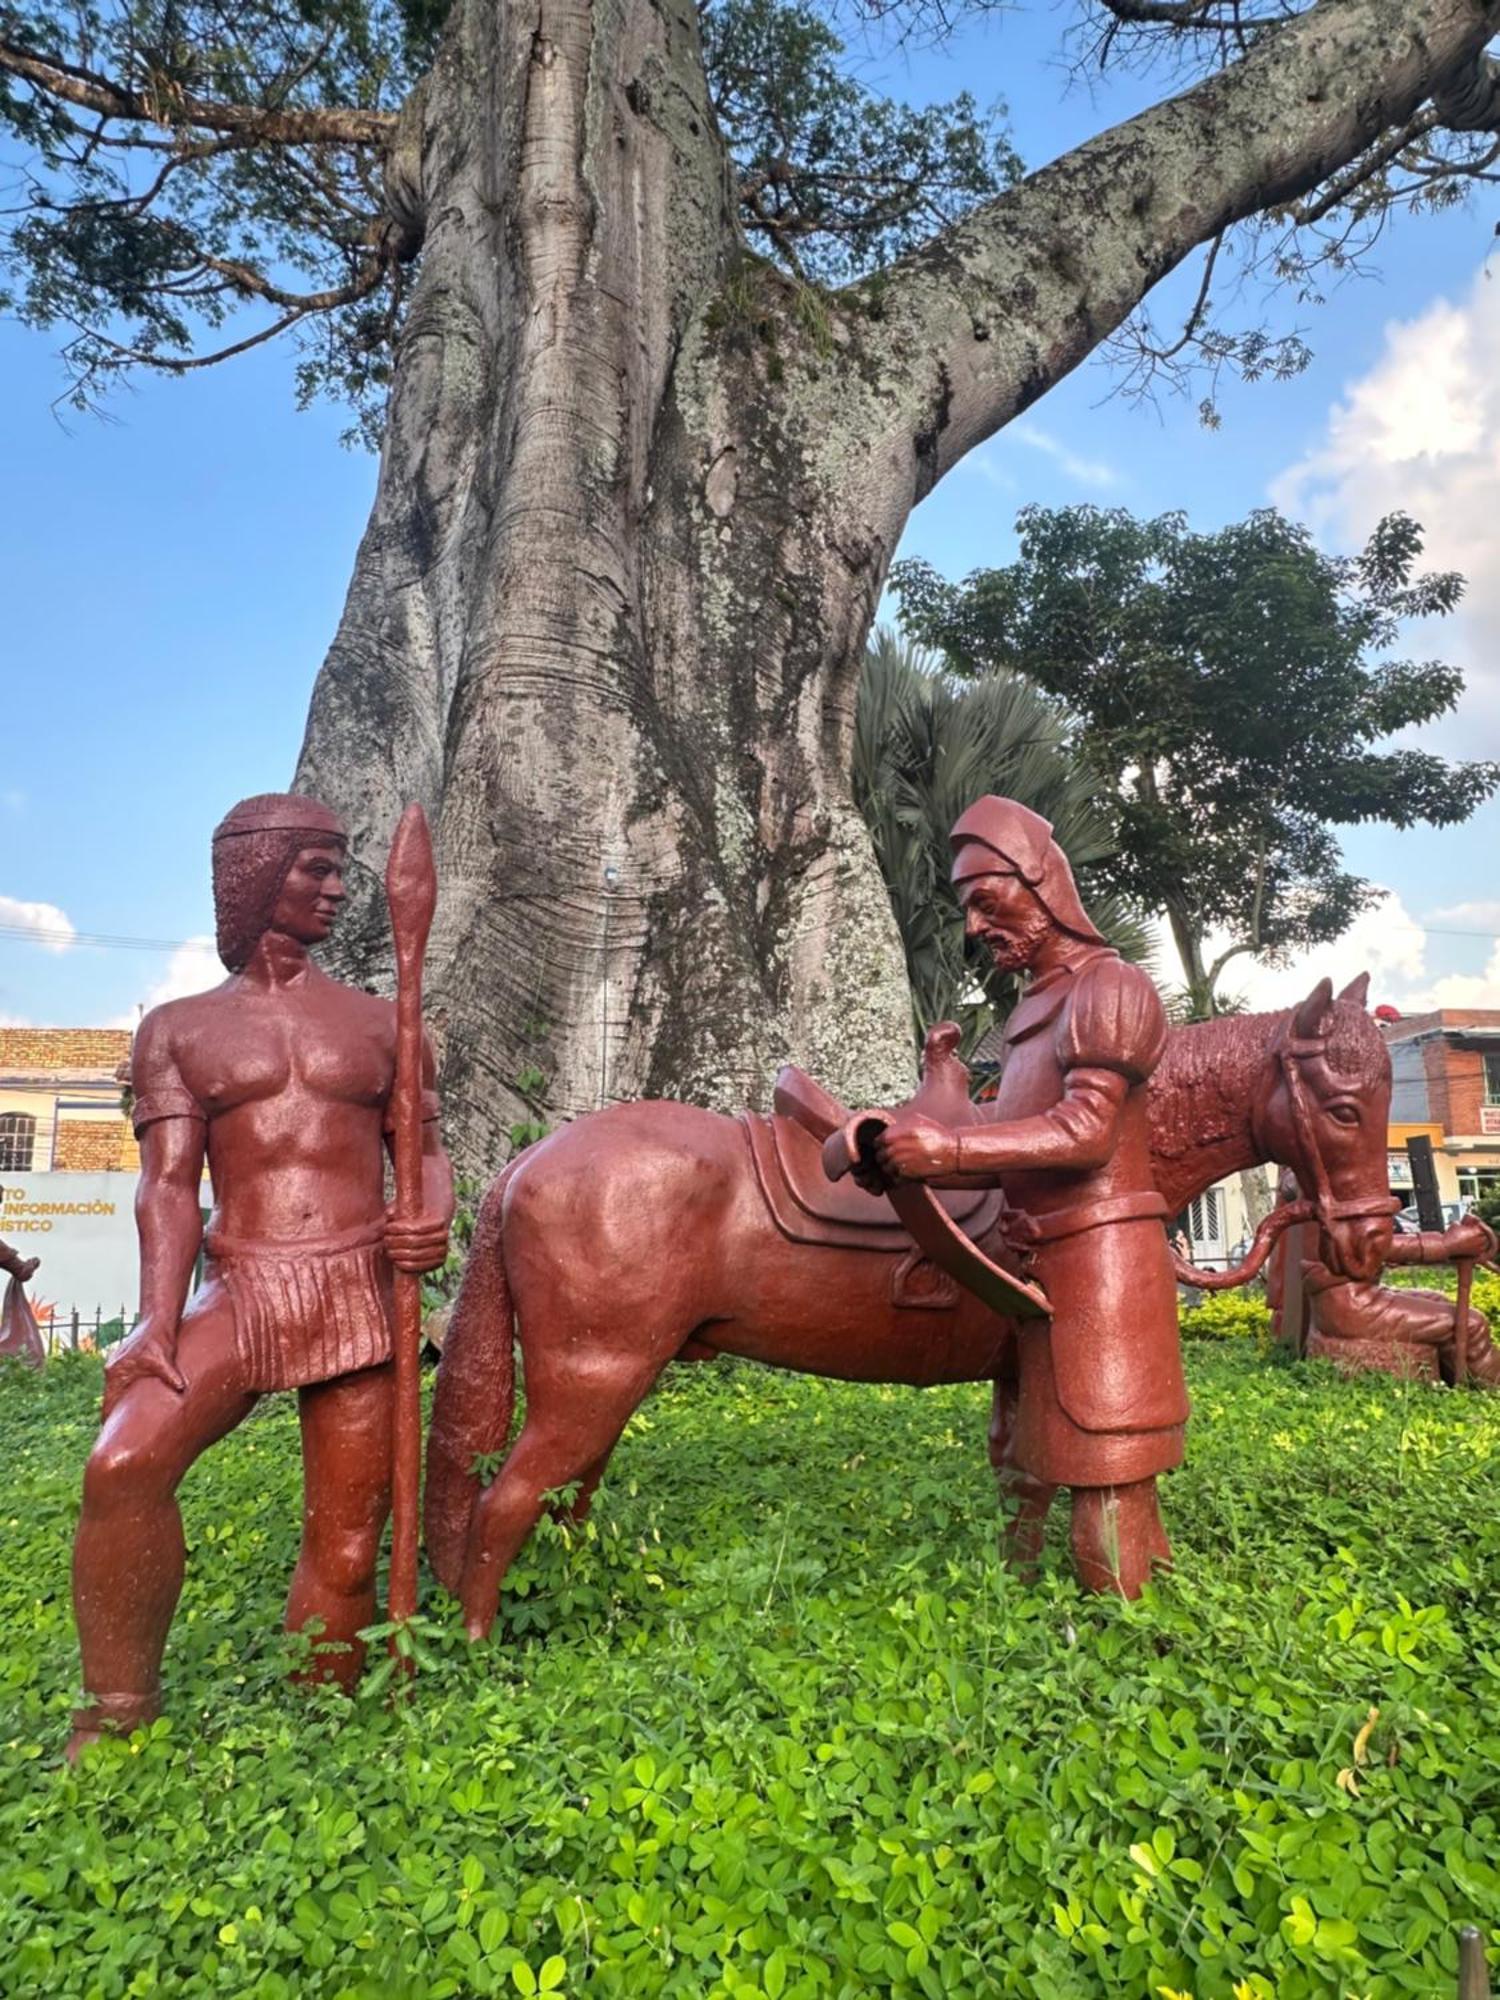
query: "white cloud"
1388, 942
988, 468
45, 922
192, 968
1479, 919
1461, 989
1087, 471
1421, 432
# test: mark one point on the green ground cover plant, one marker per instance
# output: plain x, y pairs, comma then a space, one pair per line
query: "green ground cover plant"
776, 1723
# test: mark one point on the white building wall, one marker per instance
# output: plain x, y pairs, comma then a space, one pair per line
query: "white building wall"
82, 1226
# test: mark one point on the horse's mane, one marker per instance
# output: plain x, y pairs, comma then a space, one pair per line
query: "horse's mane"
1200, 1090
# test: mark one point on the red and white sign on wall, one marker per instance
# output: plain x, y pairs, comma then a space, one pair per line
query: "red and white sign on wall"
1489, 1120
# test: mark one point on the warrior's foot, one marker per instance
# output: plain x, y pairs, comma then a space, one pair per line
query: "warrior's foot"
112, 1715
81, 1739
1483, 1371
1482, 1356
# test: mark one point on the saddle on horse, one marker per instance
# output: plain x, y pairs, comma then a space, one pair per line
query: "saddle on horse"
936, 1234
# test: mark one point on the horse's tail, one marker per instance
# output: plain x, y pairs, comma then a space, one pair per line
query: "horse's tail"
476, 1390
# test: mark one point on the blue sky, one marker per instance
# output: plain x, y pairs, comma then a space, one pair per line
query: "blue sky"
172, 577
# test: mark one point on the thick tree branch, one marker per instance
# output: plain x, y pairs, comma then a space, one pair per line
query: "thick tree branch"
1174, 13
1469, 100
987, 318
1337, 190
1225, 958
335, 125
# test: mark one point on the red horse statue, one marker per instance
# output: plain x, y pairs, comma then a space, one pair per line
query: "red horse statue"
654, 1232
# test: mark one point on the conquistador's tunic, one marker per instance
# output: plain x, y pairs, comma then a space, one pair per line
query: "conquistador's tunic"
1099, 1397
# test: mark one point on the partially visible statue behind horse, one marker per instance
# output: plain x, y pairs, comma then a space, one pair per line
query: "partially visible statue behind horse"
1386, 1329
653, 1232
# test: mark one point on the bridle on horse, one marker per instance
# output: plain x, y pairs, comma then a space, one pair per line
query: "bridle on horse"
1292, 1050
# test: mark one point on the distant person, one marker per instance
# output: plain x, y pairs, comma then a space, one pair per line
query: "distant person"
21, 1268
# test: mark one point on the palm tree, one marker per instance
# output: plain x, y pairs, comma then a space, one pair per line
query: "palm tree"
926, 746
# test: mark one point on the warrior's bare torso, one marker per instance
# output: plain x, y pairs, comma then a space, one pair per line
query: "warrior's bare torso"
293, 1083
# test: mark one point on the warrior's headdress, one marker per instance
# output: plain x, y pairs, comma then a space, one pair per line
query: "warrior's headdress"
1001, 837
254, 847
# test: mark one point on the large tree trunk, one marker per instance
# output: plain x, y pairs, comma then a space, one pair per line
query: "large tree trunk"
636, 505
608, 616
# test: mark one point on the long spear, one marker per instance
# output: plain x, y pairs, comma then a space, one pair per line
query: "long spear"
411, 891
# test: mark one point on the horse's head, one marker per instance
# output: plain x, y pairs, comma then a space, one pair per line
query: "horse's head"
1324, 1116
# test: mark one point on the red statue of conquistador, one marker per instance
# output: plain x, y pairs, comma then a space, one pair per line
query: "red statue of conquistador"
282, 1079
1097, 1402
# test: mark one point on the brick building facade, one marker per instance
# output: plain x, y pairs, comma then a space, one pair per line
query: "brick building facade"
60, 1101
1445, 1079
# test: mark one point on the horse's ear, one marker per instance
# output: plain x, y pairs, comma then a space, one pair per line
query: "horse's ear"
1307, 1022
1358, 990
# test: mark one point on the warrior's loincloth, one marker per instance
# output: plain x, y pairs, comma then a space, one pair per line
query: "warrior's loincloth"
305, 1312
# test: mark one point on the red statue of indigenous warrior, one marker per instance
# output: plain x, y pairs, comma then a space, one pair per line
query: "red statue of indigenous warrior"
1360, 1325
1097, 1401
281, 1078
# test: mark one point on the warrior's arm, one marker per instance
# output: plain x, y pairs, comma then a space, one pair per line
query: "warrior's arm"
1468, 1237
437, 1173
1076, 1135
168, 1217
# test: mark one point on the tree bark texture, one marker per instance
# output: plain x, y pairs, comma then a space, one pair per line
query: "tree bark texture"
636, 504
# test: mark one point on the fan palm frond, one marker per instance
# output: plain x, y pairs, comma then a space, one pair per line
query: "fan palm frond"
925, 747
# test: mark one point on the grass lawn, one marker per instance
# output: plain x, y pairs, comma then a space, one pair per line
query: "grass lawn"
776, 1722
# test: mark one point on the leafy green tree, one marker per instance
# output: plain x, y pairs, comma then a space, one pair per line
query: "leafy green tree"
1230, 687
676, 324
185, 161
926, 745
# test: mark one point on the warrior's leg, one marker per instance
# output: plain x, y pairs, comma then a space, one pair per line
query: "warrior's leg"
346, 1496
1118, 1536
128, 1554
1024, 1502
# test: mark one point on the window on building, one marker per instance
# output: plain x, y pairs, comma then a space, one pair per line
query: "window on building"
1492, 1079
17, 1142
1206, 1225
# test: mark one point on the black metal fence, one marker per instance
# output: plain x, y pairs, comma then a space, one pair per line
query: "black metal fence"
68, 1332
